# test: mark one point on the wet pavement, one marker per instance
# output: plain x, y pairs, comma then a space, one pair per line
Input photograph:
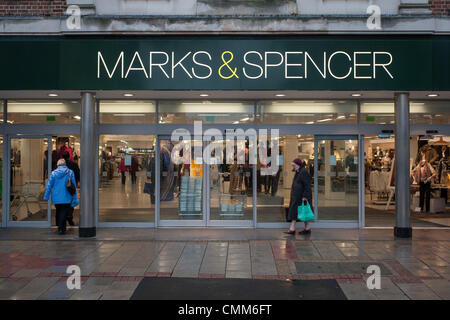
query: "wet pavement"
33, 262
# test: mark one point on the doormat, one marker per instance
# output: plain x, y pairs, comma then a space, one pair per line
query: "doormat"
338, 267
236, 289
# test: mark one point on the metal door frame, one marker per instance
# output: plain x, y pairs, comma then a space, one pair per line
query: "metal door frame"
6, 192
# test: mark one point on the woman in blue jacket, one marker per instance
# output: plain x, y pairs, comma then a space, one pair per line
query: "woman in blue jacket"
61, 197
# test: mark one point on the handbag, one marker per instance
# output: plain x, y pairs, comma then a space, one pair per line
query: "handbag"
304, 212
70, 186
148, 188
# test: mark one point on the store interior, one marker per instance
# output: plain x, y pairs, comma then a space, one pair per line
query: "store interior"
231, 185
126, 164
425, 151
29, 174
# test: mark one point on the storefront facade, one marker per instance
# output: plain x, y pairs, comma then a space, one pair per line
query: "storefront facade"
114, 99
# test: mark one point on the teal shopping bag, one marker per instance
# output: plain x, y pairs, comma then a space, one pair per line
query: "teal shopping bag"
304, 212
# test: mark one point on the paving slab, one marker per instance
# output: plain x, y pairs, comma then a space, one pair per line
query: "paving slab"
418, 291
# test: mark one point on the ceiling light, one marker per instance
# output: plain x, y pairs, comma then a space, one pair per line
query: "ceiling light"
52, 94
356, 94
310, 122
433, 95
128, 95
77, 117
204, 95
280, 95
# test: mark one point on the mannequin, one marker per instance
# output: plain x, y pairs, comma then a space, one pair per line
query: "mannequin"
423, 175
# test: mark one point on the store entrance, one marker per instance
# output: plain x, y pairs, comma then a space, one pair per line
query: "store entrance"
29, 171
204, 184
336, 178
181, 183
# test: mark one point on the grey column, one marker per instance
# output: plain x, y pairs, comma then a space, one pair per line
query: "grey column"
87, 174
402, 227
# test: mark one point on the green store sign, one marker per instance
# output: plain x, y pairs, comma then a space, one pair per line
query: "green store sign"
226, 63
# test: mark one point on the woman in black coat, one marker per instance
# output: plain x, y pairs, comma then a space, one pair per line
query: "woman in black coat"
300, 191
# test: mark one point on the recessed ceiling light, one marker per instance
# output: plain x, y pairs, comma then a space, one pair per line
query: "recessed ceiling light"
204, 95
52, 94
280, 95
356, 94
432, 95
128, 95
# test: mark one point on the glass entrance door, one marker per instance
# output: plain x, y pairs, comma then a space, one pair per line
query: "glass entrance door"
30, 167
181, 183
336, 178
230, 182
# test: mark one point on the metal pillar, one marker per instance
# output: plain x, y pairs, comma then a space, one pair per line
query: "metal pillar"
87, 175
402, 227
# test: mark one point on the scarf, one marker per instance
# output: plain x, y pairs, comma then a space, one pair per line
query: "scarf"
423, 172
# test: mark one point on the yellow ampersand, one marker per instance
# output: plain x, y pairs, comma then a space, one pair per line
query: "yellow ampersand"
226, 63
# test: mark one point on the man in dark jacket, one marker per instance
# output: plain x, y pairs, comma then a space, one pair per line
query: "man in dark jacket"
76, 170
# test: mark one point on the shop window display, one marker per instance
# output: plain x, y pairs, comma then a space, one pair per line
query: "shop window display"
126, 178
428, 165
430, 175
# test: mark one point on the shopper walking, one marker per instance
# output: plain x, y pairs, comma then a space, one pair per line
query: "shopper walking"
300, 191
76, 171
61, 197
122, 169
133, 169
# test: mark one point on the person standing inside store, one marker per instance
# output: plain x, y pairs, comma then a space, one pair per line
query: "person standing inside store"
122, 169
61, 197
133, 169
76, 171
424, 174
300, 191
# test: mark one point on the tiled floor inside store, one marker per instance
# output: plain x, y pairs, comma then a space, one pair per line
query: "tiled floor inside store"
33, 262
